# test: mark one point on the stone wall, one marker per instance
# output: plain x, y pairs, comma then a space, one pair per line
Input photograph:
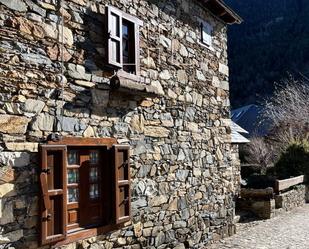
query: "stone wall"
292, 198
183, 180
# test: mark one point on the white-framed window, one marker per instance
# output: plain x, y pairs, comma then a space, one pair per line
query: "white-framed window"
206, 33
123, 40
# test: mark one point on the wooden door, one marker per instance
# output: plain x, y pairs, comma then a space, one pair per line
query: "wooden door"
53, 189
91, 190
86, 169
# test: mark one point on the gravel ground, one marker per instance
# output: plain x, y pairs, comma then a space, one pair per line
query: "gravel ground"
289, 230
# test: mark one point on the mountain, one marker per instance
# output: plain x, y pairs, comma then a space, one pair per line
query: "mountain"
272, 41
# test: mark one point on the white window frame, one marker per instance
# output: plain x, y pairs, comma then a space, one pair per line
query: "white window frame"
206, 33
110, 10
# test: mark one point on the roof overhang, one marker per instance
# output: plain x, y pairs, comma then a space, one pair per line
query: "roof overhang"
237, 137
222, 11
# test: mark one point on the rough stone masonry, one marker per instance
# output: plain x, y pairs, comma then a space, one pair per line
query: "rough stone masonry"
183, 179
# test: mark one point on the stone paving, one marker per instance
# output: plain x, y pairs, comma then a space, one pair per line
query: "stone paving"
289, 230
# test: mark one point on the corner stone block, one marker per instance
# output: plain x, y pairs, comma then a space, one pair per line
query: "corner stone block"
215, 81
12, 124
224, 69
224, 85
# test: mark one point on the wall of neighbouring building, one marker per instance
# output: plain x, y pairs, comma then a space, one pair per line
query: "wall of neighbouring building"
272, 204
292, 198
183, 180
236, 167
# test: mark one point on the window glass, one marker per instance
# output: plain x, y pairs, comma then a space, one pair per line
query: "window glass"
206, 32
115, 46
93, 175
73, 176
94, 191
94, 157
73, 194
128, 46
125, 43
72, 157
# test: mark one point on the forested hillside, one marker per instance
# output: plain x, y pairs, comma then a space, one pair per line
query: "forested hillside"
273, 40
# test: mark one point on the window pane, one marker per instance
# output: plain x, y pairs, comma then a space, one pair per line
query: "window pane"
73, 176
125, 29
206, 33
115, 51
94, 191
128, 46
93, 174
125, 43
114, 25
94, 157
73, 194
73, 157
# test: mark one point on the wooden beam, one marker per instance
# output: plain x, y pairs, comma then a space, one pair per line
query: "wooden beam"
84, 141
287, 183
257, 193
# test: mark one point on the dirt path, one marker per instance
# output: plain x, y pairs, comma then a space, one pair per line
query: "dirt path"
287, 231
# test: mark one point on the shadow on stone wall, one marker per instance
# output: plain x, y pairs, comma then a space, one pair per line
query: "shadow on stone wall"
19, 201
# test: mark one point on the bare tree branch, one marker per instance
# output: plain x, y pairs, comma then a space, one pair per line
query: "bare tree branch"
259, 152
288, 109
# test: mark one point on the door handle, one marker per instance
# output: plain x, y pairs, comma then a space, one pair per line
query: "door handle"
44, 187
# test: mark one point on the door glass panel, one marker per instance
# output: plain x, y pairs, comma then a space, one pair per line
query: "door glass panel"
73, 194
73, 157
94, 157
73, 176
94, 191
93, 175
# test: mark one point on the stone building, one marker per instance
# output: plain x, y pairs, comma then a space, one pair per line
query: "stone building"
115, 124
